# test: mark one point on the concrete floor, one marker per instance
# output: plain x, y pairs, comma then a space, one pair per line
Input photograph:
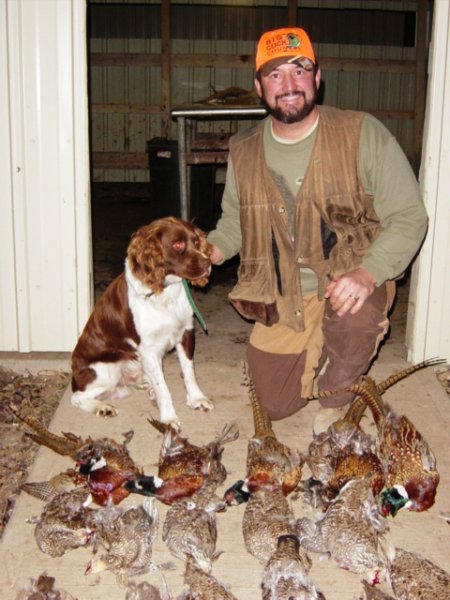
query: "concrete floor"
218, 359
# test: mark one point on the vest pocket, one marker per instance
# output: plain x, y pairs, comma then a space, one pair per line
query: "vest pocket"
253, 296
359, 239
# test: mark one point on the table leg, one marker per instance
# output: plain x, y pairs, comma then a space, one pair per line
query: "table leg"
184, 200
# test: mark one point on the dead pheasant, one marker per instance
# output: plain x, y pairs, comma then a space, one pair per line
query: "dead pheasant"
202, 585
43, 588
183, 467
232, 96
273, 472
270, 463
373, 593
349, 531
413, 577
267, 515
190, 528
62, 482
285, 575
340, 454
66, 522
333, 471
105, 464
128, 538
147, 591
408, 463
106, 485
386, 383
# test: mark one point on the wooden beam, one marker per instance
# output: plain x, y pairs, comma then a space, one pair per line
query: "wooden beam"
292, 13
364, 65
126, 108
367, 65
120, 160
153, 109
124, 59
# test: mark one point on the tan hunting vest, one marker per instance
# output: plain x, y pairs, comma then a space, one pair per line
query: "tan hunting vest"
335, 221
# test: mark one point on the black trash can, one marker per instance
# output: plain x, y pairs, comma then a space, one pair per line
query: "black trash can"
165, 184
164, 177
203, 179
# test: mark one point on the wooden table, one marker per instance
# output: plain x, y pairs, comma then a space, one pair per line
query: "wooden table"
206, 148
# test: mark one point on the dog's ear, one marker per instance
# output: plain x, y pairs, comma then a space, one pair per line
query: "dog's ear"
146, 258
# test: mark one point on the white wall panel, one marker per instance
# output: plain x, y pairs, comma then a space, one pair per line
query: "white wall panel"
49, 225
428, 326
8, 304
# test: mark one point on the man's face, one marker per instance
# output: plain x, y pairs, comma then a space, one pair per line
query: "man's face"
289, 92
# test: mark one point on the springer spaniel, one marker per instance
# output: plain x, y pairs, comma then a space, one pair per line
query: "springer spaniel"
144, 313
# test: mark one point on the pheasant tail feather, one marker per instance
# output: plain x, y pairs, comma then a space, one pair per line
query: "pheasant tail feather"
263, 424
64, 445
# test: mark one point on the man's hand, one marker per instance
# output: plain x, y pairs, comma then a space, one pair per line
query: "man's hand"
216, 255
348, 292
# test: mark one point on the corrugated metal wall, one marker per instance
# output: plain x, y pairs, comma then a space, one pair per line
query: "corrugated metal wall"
124, 131
196, 29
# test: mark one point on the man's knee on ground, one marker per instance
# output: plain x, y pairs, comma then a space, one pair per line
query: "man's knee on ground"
280, 406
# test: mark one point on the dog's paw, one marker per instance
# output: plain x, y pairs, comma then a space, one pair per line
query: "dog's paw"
106, 411
174, 422
200, 403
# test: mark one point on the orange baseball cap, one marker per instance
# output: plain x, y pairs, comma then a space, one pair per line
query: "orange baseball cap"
283, 45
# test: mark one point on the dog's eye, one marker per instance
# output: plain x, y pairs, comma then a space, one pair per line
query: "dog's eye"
179, 246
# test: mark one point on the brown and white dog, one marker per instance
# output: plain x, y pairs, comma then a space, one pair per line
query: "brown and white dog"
144, 313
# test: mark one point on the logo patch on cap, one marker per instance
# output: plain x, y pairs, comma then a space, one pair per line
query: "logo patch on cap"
294, 42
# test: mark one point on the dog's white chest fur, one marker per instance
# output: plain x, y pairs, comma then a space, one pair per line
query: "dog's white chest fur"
159, 318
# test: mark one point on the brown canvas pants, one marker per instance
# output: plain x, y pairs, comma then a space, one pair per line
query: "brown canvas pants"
284, 363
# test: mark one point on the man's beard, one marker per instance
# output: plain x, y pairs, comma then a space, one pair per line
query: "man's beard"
293, 115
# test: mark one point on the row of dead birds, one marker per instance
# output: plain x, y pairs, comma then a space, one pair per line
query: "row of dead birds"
357, 482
